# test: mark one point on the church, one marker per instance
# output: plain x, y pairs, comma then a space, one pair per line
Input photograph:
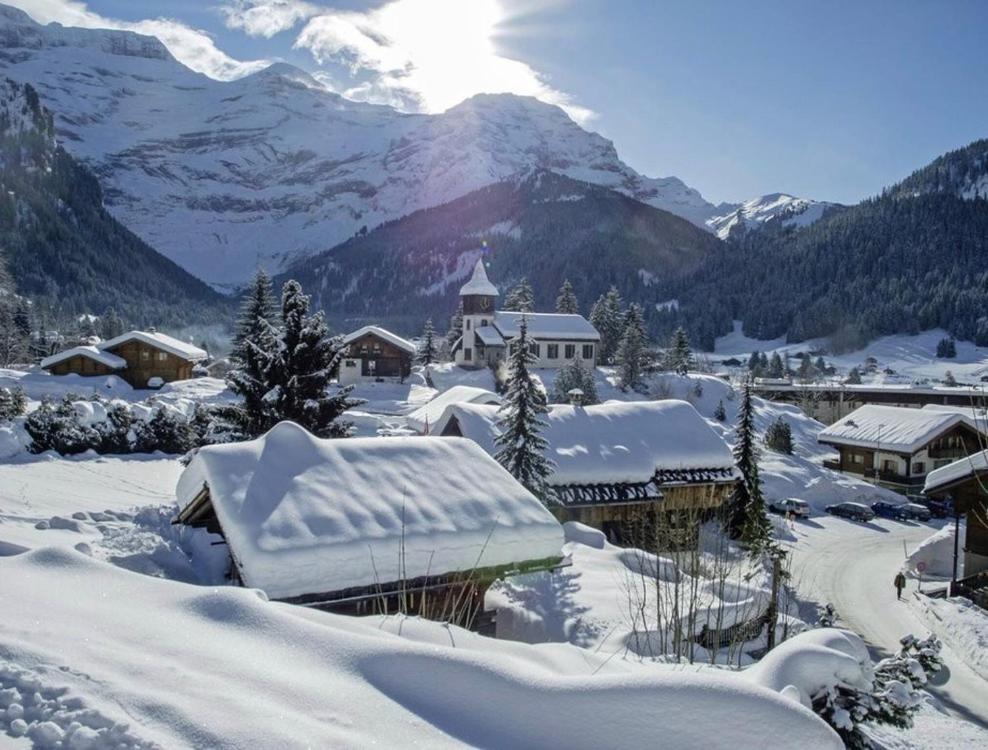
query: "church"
557, 339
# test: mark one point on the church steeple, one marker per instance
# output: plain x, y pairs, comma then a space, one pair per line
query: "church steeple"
479, 284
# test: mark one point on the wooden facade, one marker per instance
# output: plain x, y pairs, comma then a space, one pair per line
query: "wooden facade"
379, 358
145, 362
82, 365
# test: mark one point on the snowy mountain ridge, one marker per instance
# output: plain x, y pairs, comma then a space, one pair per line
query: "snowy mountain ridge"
756, 212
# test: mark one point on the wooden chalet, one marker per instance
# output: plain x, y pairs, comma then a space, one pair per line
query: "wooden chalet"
965, 482
618, 465
375, 353
369, 525
897, 447
145, 359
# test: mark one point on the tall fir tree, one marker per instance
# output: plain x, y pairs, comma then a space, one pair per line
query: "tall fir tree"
428, 352
607, 318
746, 509
520, 446
110, 325
254, 343
775, 367
566, 302
521, 298
633, 356
575, 375
455, 327
14, 345
679, 357
300, 369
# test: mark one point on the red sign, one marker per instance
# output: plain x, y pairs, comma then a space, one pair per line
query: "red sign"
921, 566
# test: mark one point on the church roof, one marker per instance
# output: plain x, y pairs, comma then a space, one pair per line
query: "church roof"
479, 283
545, 326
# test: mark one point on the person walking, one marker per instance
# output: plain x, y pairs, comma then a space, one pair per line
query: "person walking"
900, 583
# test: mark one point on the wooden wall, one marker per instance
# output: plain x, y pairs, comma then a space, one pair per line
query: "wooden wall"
392, 362
80, 365
145, 362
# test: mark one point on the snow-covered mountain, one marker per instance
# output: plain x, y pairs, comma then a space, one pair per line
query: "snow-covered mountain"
755, 213
220, 176
963, 172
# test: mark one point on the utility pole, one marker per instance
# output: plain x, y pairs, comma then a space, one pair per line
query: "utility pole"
773, 605
957, 534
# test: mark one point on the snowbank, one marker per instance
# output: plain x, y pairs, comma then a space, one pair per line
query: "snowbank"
168, 660
937, 552
425, 416
961, 625
306, 516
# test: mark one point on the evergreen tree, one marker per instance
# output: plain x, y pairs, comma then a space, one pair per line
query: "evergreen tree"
946, 348
853, 377
949, 379
575, 375
746, 508
13, 403
720, 414
631, 351
806, 372
606, 317
775, 367
520, 446
763, 362
299, 371
566, 302
455, 327
521, 298
14, 345
679, 357
428, 352
253, 348
754, 365
821, 366
778, 436
110, 325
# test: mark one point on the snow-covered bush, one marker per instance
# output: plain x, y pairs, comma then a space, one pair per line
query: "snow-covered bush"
778, 436
167, 431
13, 403
828, 617
575, 375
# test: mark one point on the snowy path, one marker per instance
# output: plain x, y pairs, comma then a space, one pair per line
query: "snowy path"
851, 565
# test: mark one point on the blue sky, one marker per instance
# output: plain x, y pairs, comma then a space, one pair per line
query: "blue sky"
830, 100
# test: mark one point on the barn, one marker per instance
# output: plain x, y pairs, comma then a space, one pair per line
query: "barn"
375, 353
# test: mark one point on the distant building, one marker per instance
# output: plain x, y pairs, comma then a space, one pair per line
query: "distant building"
422, 419
556, 339
618, 463
145, 359
362, 525
374, 353
897, 446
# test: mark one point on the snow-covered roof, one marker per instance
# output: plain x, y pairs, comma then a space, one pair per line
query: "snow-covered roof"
382, 333
479, 283
952, 473
546, 326
159, 341
303, 515
615, 442
897, 429
91, 352
489, 336
430, 413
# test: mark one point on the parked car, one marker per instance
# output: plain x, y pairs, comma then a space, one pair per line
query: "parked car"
890, 510
938, 508
854, 511
917, 512
792, 505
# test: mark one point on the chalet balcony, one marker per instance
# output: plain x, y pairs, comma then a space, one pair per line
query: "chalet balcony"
952, 453
892, 477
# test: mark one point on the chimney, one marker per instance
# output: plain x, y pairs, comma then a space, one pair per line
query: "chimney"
152, 329
575, 396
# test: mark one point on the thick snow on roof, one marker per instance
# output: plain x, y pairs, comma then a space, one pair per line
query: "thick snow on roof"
91, 352
383, 333
489, 336
619, 441
954, 472
891, 428
479, 283
425, 416
546, 326
304, 516
160, 341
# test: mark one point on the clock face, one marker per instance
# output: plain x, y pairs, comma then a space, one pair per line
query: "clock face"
485, 303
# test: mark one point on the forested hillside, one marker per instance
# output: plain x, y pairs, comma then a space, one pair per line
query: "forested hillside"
64, 251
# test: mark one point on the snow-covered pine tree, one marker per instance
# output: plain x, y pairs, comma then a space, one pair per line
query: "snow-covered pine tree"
14, 345
298, 374
455, 327
575, 375
775, 367
949, 379
428, 352
520, 446
720, 413
853, 377
521, 298
754, 365
746, 509
607, 318
679, 357
820, 365
110, 325
632, 350
13, 403
778, 436
566, 302
253, 347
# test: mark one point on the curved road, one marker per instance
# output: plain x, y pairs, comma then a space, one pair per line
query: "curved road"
851, 565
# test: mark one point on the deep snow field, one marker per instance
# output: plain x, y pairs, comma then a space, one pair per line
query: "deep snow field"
118, 631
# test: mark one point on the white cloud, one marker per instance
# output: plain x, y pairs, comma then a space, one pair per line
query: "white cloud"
192, 47
419, 55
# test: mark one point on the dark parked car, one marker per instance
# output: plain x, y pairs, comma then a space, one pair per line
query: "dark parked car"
890, 510
938, 508
917, 512
854, 511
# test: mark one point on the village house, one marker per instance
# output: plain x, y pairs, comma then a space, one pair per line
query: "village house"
896, 446
145, 359
374, 353
556, 339
369, 525
618, 463
428, 414
965, 482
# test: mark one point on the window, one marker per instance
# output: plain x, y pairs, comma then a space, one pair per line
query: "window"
145, 354
553, 351
857, 458
162, 356
468, 355
919, 468
483, 322
468, 323
569, 351
588, 351
535, 348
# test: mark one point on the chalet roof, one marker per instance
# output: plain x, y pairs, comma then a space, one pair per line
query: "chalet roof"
160, 341
949, 475
90, 352
303, 515
546, 326
479, 283
428, 414
382, 333
896, 429
489, 336
615, 442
